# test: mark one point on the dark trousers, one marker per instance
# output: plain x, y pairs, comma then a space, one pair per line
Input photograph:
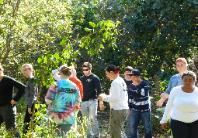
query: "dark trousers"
27, 119
184, 130
7, 116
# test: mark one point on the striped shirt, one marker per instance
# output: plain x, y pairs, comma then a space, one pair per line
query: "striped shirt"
139, 96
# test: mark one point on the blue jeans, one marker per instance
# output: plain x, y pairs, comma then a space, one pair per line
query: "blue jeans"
89, 110
133, 122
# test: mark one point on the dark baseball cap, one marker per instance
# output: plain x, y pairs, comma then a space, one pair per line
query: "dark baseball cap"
135, 72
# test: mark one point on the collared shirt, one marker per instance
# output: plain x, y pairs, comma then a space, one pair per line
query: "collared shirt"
31, 92
175, 80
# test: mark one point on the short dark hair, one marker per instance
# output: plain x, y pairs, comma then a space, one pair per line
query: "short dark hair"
113, 68
87, 64
190, 73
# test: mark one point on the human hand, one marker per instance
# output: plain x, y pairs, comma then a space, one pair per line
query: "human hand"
164, 126
164, 96
29, 110
101, 96
101, 106
13, 102
48, 101
160, 102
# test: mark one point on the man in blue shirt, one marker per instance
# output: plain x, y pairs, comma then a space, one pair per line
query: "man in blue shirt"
175, 80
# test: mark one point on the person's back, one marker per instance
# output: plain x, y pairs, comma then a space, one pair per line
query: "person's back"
65, 102
66, 96
63, 99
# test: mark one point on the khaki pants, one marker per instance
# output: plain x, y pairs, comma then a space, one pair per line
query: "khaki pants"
117, 119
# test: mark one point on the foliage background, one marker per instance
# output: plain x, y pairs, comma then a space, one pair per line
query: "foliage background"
148, 35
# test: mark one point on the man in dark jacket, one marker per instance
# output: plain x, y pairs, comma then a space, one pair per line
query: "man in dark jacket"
91, 90
8, 101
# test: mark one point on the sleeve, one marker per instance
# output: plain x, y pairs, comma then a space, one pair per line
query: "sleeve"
97, 85
170, 85
50, 94
113, 97
78, 100
32, 93
81, 78
20, 87
166, 115
81, 89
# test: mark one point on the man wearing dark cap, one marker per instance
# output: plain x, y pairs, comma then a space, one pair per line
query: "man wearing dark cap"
139, 105
91, 90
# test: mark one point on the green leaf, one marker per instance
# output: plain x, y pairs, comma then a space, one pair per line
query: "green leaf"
92, 24
88, 29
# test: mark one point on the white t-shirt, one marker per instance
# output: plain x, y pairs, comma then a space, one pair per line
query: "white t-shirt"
118, 96
181, 106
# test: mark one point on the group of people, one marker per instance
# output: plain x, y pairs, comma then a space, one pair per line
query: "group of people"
128, 98
181, 98
69, 95
8, 98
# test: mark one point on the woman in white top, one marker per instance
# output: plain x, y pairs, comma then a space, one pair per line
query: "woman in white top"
118, 100
182, 108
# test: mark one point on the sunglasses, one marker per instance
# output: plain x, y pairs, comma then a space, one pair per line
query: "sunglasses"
85, 69
129, 74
